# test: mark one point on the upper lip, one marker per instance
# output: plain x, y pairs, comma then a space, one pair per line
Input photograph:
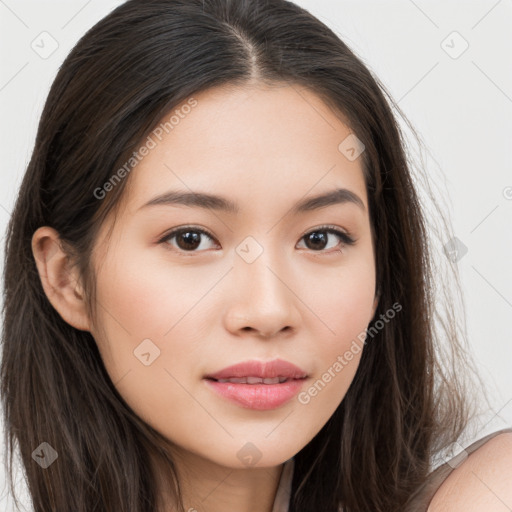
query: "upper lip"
261, 369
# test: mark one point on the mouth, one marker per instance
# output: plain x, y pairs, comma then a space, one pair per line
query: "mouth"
257, 385
256, 380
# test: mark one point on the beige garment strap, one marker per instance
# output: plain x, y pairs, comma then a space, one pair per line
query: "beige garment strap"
421, 499
282, 499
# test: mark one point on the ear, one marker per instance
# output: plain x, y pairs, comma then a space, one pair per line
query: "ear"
60, 281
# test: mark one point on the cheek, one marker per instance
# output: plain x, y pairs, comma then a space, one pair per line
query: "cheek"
345, 303
146, 341
338, 358
343, 300
143, 297
132, 309
147, 306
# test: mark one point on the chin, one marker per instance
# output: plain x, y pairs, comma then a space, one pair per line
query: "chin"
251, 456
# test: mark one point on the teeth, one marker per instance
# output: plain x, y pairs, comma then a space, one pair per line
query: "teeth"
254, 380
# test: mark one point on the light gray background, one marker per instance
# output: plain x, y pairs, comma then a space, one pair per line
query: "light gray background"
461, 107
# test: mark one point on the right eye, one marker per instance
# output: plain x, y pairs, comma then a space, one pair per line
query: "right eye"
188, 239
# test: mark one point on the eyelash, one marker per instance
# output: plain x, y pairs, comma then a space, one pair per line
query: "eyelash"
346, 239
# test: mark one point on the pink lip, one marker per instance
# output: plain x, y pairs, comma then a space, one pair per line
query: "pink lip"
270, 369
259, 396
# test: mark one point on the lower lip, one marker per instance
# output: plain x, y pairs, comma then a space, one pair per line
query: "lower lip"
260, 397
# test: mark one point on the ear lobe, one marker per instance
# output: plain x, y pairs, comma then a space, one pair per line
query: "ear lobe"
60, 281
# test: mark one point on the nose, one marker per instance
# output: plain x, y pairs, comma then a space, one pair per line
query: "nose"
262, 300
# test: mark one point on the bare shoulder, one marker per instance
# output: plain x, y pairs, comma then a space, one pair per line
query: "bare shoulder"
482, 482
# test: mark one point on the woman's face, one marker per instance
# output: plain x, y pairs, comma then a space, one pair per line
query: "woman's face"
267, 282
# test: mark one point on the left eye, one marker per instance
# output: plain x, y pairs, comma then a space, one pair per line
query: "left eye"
189, 238
320, 236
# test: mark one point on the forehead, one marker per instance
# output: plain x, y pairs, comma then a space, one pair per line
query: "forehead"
249, 143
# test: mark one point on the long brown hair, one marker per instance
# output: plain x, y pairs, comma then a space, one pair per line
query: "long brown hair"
130, 69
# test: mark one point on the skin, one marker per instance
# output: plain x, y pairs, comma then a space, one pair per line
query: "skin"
481, 482
264, 148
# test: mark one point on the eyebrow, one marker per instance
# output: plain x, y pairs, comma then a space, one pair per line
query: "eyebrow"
205, 200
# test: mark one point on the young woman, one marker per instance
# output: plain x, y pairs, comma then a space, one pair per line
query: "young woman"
218, 284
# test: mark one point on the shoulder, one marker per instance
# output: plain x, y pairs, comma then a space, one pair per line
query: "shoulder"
482, 482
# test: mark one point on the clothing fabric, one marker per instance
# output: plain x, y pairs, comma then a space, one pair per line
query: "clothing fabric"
284, 491
419, 501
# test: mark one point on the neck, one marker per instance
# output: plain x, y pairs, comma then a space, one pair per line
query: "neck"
209, 487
